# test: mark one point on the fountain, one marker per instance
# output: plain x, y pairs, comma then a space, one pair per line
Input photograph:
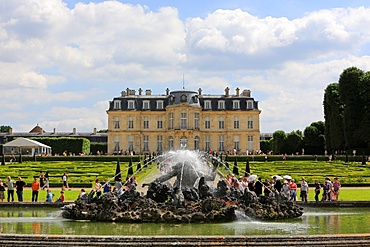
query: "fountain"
190, 198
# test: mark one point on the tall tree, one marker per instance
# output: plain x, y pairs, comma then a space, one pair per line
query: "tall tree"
349, 93
314, 138
294, 142
278, 142
333, 113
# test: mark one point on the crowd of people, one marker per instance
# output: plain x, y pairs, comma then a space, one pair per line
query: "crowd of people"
286, 187
40, 182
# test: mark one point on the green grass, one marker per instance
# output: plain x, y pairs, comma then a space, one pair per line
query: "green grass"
351, 173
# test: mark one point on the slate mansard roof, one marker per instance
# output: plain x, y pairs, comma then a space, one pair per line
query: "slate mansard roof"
192, 98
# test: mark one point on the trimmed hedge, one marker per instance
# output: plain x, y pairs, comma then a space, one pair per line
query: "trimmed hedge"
65, 144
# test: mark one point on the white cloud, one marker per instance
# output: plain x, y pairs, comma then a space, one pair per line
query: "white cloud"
55, 61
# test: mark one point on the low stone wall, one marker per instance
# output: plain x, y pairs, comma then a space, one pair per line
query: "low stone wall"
132, 241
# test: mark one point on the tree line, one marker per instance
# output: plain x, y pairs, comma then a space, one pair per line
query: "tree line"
347, 121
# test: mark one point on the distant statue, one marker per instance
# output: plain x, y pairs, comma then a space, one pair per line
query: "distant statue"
186, 176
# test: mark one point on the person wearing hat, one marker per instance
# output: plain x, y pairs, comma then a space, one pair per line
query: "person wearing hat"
35, 189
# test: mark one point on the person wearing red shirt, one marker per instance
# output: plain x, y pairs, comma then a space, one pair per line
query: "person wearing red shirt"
293, 190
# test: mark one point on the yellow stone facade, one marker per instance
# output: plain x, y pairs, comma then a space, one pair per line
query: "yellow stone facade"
183, 122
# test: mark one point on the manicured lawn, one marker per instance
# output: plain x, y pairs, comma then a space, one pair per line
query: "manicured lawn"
351, 173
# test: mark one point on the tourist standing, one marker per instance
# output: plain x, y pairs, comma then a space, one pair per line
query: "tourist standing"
293, 190
97, 187
304, 190
106, 186
20, 184
10, 185
118, 185
46, 179
65, 181
35, 190
277, 184
2, 190
286, 190
336, 187
42, 179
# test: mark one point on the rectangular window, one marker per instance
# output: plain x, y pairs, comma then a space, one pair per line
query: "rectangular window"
207, 123
160, 123
159, 104
116, 144
207, 143
221, 123
117, 104
196, 120
130, 122
183, 121
146, 105
130, 143
159, 143
236, 122
146, 123
236, 143
170, 143
131, 104
116, 123
236, 104
250, 122
146, 143
207, 105
221, 105
170, 121
250, 104
250, 143
221, 143
196, 143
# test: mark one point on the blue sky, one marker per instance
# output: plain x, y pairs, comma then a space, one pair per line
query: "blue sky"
62, 61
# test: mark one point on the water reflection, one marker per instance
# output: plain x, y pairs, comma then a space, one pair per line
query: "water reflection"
314, 221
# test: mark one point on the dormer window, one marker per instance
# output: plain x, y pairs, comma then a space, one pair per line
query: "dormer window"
117, 104
146, 104
249, 104
131, 104
236, 104
183, 98
207, 104
195, 99
172, 99
159, 104
221, 105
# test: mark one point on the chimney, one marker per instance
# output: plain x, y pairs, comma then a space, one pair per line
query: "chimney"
54, 131
94, 131
237, 90
127, 91
247, 92
74, 131
140, 91
227, 91
199, 91
123, 93
10, 130
148, 92
167, 91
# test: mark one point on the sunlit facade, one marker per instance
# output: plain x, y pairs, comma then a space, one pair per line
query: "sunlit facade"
183, 119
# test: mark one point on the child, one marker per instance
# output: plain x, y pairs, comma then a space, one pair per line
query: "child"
49, 196
61, 197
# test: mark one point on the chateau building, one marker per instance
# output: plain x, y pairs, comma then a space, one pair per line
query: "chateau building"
183, 119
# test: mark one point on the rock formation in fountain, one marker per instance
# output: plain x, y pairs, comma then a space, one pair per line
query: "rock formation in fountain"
190, 200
